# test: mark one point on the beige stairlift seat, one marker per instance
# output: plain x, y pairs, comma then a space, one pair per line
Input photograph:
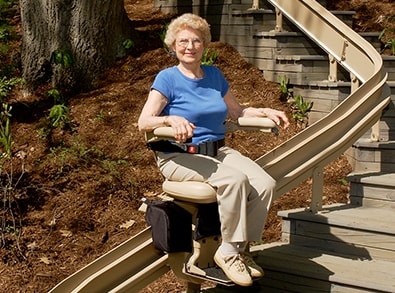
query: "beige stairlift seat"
190, 194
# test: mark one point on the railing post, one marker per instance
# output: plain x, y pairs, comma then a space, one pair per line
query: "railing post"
354, 82
317, 190
255, 5
279, 21
332, 68
375, 131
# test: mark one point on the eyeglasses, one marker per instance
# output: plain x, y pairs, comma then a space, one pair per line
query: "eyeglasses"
185, 42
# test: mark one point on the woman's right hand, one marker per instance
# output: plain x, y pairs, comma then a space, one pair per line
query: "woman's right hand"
183, 129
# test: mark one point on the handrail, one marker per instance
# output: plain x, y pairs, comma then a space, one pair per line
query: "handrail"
310, 150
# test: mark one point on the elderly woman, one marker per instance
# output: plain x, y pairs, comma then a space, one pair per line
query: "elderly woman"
195, 100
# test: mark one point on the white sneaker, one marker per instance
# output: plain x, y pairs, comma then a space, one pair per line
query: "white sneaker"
255, 270
234, 268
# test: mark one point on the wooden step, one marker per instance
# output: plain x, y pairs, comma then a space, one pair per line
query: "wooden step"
389, 65
370, 156
373, 190
361, 232
300, 269
264, 19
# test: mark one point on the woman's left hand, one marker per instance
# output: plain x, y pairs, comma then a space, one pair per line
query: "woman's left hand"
279, 117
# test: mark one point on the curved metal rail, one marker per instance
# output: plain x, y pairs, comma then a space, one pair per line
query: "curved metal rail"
128, 267
305, 154
135, 263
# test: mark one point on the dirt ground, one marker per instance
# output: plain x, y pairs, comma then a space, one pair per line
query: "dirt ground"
77, 192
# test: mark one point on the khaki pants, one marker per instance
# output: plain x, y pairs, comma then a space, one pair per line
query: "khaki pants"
244, 189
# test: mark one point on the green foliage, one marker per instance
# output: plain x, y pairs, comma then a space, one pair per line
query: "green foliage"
58, 114
285, 90
209, 59
6, 85
7, 34
62, 57
301, 108
343, 181
389, 34
57, 97
5, 129
162, 35
69, 157
128, 44
10, 223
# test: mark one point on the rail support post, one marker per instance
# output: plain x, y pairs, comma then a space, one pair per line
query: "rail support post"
279, 20
317, 190
332, 68
193, 288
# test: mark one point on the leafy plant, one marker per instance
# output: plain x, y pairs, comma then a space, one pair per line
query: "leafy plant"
390, 42
128, 44
75, 155
5, 129
285, 90
6, 85
301, 108
57, 97
209, 59
10, 223
162, 36
62, 57
58, 114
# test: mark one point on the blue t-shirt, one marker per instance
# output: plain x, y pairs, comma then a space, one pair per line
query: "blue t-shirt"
200, 101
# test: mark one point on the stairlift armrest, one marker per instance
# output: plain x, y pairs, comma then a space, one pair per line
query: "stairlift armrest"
160, 133
254, 123
251, 123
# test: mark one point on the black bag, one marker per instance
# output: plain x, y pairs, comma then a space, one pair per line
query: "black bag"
171, 226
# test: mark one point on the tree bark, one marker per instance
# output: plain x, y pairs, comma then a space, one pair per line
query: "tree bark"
90, 32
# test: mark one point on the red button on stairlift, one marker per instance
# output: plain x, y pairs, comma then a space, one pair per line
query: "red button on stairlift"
192, 149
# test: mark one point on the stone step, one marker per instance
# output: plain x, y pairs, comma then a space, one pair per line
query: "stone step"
375, 190
359, 232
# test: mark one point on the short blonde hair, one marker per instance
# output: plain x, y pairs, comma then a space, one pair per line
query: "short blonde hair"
187, 20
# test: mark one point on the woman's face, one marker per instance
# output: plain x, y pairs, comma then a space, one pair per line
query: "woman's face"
188, 46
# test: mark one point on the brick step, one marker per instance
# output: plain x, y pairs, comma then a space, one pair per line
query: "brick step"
376, 190
357, 231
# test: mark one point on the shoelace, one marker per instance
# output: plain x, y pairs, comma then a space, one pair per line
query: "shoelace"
247, 258
236, 261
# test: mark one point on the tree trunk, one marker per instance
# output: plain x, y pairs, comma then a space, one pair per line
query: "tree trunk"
88, 35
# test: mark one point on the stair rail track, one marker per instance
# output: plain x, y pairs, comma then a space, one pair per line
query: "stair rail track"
135, 263
308, 152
